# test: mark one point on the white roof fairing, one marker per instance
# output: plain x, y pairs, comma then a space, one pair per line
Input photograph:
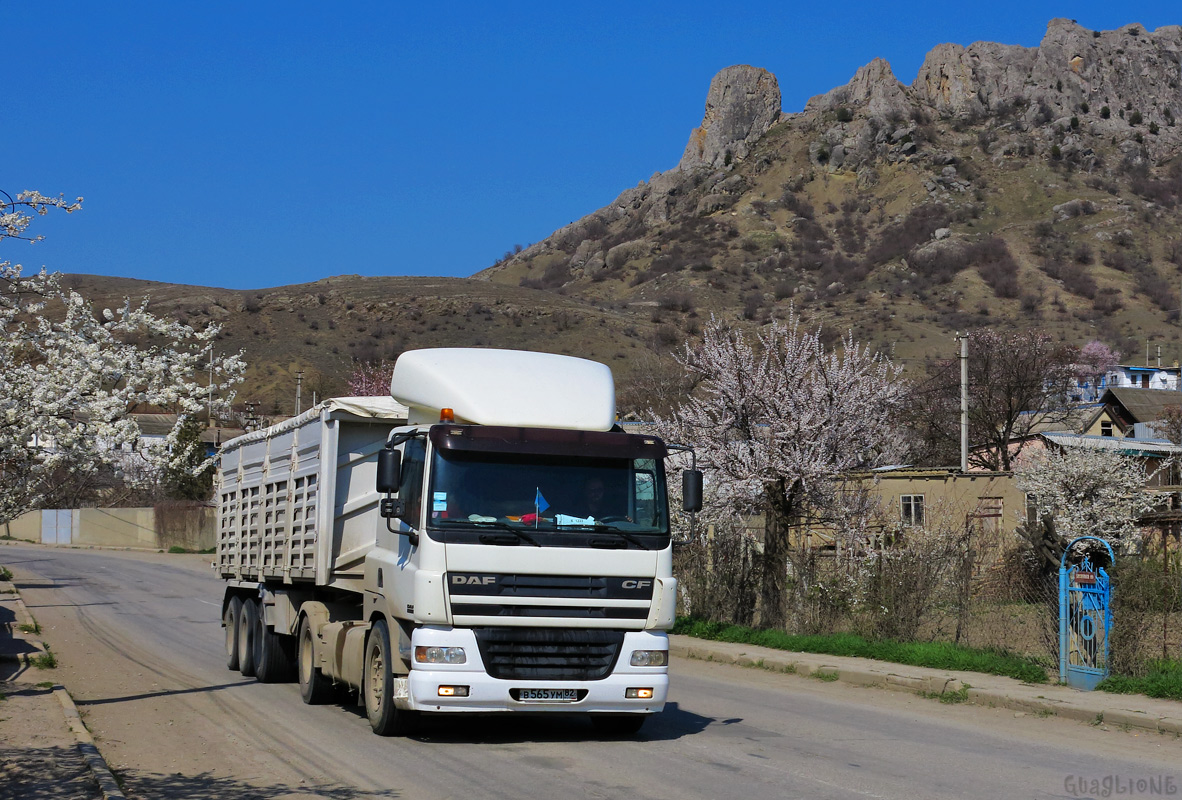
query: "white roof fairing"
515, 388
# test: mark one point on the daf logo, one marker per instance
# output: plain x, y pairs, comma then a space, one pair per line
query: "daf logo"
473, 580
637, 584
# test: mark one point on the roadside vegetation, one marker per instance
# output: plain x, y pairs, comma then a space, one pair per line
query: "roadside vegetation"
1164, 679
936, 655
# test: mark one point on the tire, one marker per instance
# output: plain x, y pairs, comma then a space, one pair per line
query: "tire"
230, 617
248, 622
272, 659
618, 724
377, 686
315, 689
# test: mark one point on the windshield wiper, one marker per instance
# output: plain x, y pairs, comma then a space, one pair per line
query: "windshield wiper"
601, 526
498, 525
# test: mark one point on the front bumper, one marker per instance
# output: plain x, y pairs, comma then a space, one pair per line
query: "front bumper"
489, 694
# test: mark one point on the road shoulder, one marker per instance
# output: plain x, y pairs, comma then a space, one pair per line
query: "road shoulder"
1131, 711
45, 750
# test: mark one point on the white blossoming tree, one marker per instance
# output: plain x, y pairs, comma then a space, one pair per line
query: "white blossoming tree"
1087, 493
777, 423
71, 377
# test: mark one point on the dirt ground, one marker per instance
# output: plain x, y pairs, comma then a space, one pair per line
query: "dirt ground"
39, 756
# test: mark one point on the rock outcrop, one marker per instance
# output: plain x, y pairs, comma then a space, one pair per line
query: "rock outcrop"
1123, 69
958, 80
874, 89
741, 105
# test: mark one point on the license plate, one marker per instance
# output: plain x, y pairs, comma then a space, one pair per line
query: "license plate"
547, 695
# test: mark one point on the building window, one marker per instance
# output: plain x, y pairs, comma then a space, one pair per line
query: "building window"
912, 509
1105, 428
1031, 510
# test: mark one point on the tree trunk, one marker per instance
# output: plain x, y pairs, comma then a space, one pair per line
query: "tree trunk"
778, 520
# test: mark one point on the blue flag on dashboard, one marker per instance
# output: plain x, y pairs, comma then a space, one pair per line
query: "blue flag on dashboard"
540, 502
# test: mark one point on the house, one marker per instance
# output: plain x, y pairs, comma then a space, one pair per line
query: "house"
1126, 376
1129, 408
988, 503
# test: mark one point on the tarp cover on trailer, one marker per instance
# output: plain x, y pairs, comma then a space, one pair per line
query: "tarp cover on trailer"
366, 407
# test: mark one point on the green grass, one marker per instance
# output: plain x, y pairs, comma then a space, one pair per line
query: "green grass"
1164, 680
29, 627
5, 575
47, 660
824, 675
936, 655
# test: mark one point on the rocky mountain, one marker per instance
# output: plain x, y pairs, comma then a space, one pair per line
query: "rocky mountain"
1006, 186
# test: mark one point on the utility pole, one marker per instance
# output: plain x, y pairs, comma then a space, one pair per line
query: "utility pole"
964, 401
299, 388
209, 402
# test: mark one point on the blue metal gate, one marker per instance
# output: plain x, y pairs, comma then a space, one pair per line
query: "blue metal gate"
1085, 619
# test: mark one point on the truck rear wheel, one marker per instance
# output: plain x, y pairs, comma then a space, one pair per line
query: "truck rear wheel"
230, 618
314, 687
377, 686
248, 621
272, 662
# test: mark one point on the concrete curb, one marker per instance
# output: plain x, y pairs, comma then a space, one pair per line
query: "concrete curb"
90, 752
1088, 707
86, 744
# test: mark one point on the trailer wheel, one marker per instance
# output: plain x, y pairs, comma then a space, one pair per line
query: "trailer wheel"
314, 687
230, 618
618, 724
272, 662
377, 687
248, 621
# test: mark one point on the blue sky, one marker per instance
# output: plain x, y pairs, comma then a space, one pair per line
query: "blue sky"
259, 144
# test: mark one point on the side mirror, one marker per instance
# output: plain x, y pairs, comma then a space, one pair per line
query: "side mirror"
691, 490
389, 470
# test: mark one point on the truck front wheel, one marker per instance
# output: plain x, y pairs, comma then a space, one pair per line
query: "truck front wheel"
385, 718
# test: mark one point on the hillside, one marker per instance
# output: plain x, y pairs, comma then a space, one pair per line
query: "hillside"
1005, 186
325, 327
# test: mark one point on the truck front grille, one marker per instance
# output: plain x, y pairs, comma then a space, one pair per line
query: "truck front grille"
549, 654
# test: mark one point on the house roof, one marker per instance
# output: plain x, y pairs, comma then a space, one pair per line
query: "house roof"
1128, 447
1075, 419
154, 424
1141, 405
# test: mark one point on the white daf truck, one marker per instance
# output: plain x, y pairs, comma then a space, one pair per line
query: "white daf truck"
484, 540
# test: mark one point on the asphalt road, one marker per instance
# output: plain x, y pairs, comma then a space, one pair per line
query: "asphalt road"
140, 646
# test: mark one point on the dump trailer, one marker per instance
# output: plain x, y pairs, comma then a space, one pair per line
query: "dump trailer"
486, 539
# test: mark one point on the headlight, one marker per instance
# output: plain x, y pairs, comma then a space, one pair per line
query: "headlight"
440, 655
650, 658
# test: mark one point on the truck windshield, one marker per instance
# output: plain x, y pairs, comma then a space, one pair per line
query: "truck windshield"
555, 500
